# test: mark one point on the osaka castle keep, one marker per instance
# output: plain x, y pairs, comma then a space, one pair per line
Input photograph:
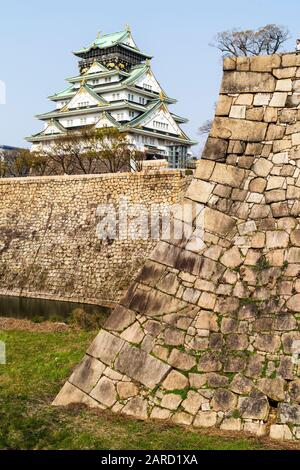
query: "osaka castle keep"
117, 88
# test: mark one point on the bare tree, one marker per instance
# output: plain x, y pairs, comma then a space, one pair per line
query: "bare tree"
266, 40
205, 128
21, 162
91, 151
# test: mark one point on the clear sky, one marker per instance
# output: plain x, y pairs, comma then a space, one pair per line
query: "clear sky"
37, 37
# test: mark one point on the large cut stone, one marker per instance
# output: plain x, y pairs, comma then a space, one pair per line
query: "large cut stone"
175, 381
181, 360
217, 222
87, 374
232, 258
249, 131
119, 319
105, 392
70, 394
215, 149
140, 366
289, 413
223, 400
137, 408
228, 174
244, 82
105, 347
254, 408
273, 388
171, 401
199, 191
205, 419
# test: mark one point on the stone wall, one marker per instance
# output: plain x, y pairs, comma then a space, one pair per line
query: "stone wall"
48, 242
209, 335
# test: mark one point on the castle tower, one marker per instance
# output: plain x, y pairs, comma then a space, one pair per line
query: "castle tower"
117, 88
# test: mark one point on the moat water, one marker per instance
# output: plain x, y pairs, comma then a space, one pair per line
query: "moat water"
40, 309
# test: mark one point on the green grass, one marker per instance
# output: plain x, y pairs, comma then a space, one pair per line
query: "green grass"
37, 366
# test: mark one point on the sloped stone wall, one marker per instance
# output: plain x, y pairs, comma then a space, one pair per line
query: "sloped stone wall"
48, 242
209, 335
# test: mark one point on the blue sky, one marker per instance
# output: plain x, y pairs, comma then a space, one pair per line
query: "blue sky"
36, 40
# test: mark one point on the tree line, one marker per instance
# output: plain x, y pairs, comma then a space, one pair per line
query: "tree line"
86, 151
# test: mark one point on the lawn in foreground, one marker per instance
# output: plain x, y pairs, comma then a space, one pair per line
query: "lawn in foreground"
37, 366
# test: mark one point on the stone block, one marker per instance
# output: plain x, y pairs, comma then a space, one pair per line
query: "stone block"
272, 388
215, 148
229, 63
288, 413
224, 105
105, 347
277, 239
236, 129
200, 191
262, 167
284, 85
248, 82
261, 99
271, 114
181, 360
105, 392
69, 394
205, 419
133, 334
227, 174
140, 366
217, 222
193, 402
182, 418
288, 72
175, 381
160, 413
126, 390
87, 374
171, 401
204, 169
275, 132
223, 400
280, 432
253, 408
278, 100
119, 319
237, 112
267, 63
136, 408
245, 99
231, 424
232, 258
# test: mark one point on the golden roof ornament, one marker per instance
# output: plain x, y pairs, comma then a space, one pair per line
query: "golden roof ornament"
128, 28
99, 35
162, 96
148, 63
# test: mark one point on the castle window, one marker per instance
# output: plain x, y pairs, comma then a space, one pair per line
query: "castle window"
107, 79
82, 121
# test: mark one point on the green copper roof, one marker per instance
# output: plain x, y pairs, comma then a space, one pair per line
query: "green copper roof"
108, 40
64, 92
135, 73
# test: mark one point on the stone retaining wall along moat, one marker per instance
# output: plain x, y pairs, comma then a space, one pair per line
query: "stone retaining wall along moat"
49, 246
209, 336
